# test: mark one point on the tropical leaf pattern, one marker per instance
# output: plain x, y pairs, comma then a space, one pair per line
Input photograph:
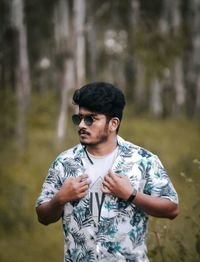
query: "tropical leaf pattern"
121, 232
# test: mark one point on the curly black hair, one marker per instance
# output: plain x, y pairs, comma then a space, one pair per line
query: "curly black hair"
100, 97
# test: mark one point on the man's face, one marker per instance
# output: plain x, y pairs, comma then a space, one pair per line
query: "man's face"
97, 132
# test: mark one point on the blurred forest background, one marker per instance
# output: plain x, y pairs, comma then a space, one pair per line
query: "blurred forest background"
150, 49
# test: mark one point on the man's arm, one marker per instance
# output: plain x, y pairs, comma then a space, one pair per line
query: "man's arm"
156, 206
121, 187
72, 189
50, 211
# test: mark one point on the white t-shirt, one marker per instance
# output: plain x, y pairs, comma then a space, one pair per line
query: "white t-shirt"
96, 172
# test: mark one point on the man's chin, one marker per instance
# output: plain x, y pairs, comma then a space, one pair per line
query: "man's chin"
84, 142
87, 142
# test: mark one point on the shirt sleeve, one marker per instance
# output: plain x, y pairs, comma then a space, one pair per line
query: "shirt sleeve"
158, 182
52, 183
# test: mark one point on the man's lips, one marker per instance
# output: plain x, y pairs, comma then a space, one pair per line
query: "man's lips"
83, 132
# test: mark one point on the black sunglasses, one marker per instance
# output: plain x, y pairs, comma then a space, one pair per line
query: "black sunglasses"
88, 119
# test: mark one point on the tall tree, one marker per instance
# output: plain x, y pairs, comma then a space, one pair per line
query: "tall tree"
135, 13
95, 11
64, 44
193, 65
178, 80
156, 105
79, 33
23, 86
139, 89
170, 26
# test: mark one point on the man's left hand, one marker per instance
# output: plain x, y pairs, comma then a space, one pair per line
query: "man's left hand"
117, 185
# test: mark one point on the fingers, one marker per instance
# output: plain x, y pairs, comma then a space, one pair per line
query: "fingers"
108, 180
84, 188
114, 175
82, 177
105, 190
83, 183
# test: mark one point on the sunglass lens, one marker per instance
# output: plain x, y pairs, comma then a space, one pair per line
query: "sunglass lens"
88, 120
76, 119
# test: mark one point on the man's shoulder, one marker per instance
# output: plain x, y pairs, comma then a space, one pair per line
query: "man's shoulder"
135, 149
72, 152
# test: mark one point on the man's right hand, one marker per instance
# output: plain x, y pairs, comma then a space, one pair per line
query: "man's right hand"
73, 188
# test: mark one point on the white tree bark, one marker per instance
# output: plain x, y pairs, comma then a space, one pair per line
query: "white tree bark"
175, 15
23, 86
196, 53
178, 80
64, 43
91, 37
61, 25
156, 106
193, 63
67, 84
178, 84
135, 13
79, 32
164, 24
139, 94
197, 104
170, 18
139, 87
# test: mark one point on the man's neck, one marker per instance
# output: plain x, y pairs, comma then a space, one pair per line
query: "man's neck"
103, 148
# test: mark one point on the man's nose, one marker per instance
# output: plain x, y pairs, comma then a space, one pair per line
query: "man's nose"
82, 123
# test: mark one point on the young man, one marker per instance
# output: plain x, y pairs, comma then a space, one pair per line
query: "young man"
105, 187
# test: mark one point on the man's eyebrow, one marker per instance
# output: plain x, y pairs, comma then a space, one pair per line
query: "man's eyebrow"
88, 114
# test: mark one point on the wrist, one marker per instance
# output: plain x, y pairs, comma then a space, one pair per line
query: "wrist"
59, 200
132, 196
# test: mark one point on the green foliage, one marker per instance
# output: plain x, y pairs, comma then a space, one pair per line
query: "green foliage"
155, 50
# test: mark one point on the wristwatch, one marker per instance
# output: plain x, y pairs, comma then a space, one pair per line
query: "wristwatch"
132, 196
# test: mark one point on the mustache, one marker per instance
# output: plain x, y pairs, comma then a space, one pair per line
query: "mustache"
83, 132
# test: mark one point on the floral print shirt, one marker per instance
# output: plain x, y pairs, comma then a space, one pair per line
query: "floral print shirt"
121, 232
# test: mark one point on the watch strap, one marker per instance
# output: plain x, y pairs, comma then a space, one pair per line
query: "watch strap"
132, 196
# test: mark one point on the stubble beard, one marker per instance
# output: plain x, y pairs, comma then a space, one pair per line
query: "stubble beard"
100, 139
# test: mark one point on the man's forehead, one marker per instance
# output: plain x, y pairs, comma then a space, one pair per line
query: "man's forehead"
85, 111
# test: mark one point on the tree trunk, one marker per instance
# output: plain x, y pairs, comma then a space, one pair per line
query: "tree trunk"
178, 84
64, 42
155, 98
139, 84
91, 43
91, 59
61, 25
196, 54
164, 23
170, 21
139, 91
193, 61
197, 104
135, 13
22, 70
67, 84
175, 16
177, 80
79, 32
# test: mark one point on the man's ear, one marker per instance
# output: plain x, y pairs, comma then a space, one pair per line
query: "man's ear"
113, 124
